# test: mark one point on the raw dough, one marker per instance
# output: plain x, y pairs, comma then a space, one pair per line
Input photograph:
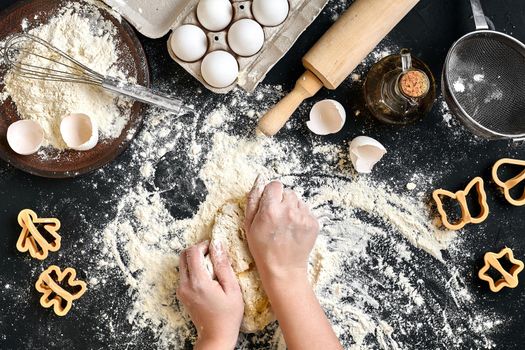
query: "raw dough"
228, 229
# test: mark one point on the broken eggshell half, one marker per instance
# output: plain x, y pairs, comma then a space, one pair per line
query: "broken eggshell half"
79, 132
326, 117
25, 137
365, 152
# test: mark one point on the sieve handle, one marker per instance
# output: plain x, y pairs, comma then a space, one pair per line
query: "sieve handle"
479, 16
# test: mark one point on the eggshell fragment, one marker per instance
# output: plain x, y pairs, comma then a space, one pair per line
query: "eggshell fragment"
79, 132
270, 12
365, 152
326, 117
214, 15
25, 137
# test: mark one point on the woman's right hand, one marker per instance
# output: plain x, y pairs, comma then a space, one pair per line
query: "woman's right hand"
281, 232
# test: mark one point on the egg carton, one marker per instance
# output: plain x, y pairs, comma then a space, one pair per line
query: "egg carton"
156, 19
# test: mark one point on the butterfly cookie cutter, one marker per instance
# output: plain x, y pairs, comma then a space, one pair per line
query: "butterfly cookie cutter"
51, 282
509, 278
510, 183
31, 239
461, 197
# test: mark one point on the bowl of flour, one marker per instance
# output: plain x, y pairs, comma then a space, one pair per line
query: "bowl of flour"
90, 33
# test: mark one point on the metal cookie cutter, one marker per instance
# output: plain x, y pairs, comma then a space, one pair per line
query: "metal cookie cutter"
32, 240
509, 278
510, 183
51, 282
461, 197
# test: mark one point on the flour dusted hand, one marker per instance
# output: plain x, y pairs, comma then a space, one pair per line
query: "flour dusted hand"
215, 306
281, 231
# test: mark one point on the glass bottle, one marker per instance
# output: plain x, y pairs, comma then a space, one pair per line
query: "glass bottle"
399, 89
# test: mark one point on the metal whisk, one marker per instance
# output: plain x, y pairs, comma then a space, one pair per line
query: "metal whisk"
56, 65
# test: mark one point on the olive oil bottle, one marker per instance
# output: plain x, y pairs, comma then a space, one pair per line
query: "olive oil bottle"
399, 89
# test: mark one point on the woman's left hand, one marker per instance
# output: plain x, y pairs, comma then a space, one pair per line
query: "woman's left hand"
215, 306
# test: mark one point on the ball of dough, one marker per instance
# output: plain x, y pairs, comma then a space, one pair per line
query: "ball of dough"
270, 12
246, 37
214, 15
189, 43
219, 69
228, 229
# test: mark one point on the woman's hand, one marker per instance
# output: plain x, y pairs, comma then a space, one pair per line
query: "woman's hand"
281, 232
216, 307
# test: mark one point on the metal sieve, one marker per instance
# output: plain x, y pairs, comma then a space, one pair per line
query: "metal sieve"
483, 81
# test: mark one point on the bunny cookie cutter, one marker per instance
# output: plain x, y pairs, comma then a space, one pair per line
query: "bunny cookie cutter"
461, 197
510, 183
509, 278
31, 239
54, 295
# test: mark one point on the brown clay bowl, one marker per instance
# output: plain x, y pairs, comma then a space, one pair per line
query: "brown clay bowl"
67, 164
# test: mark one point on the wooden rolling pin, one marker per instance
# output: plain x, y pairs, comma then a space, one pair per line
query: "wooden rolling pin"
341, 49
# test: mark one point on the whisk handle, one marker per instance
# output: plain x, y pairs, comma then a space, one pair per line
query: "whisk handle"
143, 94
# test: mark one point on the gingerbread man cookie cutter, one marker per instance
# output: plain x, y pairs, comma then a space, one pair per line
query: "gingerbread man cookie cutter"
509, 278
31, 239
461, 197
54, 294
510, 183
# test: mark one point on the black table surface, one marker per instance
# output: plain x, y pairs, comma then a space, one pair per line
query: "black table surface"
429, 31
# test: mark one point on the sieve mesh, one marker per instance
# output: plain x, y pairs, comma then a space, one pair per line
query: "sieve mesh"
485, 76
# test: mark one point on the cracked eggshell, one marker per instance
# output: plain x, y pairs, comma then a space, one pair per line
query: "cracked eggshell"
327, 117
25, 137
365, 152
79, 132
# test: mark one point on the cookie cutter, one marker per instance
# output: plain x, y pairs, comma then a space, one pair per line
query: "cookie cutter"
461, 197
510, 183
31, 239
509, 278
54, 295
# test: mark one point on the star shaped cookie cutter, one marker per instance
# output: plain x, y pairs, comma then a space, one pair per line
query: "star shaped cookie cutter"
54, 295
510, 183
509, 278
461, 197
32, 240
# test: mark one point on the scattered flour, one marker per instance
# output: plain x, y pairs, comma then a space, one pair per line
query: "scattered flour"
459, 85
495, 95
479, 77
371, 249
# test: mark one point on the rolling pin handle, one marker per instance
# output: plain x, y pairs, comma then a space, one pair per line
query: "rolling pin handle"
273, 121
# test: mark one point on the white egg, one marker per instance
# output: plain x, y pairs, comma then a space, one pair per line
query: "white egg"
327, 117
219, 69
270, 12
79, 132
246, 37
25, 137
365, 152
214, 15
189, 43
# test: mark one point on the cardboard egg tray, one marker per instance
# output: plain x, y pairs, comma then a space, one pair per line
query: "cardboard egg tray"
156, 19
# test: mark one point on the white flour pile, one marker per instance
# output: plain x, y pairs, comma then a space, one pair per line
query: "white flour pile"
374, 249
80, 31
